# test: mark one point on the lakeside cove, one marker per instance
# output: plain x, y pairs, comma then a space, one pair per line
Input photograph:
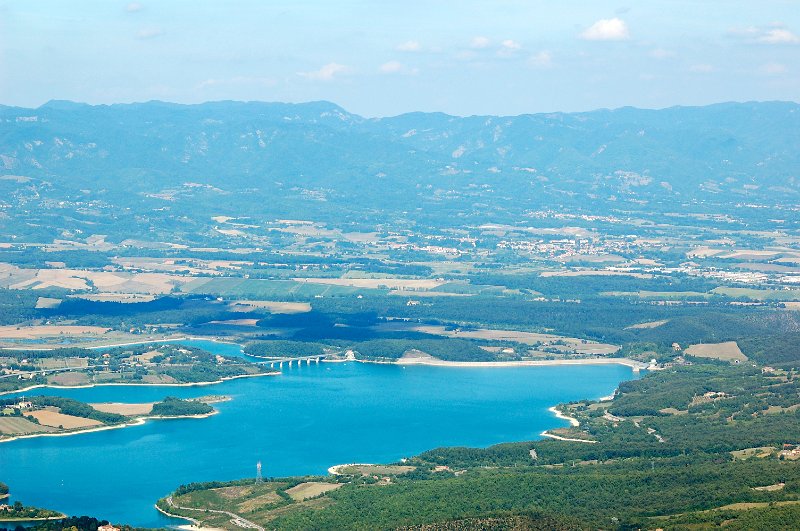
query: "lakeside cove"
369, 412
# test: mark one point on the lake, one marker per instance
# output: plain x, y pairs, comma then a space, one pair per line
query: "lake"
300, 422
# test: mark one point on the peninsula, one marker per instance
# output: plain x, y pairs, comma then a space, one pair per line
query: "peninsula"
49, 416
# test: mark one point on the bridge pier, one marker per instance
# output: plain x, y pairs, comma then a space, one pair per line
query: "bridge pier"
280, 365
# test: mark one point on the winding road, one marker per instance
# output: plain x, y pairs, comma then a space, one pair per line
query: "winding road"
235, 518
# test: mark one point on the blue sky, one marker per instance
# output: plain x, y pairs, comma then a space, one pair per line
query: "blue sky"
383, 58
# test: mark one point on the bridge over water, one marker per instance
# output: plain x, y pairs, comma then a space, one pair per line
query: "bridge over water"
291, 361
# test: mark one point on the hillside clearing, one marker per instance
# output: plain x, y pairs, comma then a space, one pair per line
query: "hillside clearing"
728, 351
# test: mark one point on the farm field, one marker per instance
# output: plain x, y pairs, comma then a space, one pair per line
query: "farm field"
21, 426
274, 307
14, 277
253, 502
124, 409
47, 417
759, 294
728, 351
311, 489
59, 363
68, 378
666, 295
40, 331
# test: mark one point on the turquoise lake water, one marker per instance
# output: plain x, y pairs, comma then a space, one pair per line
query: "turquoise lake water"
300, 422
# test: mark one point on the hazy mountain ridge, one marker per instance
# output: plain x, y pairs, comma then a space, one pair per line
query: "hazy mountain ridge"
747, 149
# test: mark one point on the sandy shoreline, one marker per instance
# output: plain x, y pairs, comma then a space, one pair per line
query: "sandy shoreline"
334, 470
138, 421
572, 420
195, 523
633, 364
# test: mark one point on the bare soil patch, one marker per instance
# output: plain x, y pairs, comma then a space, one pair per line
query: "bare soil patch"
272, 306
258, 502
158, 379
48, 417
236, 322
34, 332
124, 409
651, 324
68, 378
21, 426
47, 303
728, 351
61, 363
127, 298
311, 489
771, 488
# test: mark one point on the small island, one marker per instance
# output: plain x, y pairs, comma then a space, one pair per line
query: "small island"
52, 415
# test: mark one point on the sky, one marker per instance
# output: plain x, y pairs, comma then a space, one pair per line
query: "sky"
383, 58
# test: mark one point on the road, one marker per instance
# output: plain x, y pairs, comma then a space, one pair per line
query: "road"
235, 518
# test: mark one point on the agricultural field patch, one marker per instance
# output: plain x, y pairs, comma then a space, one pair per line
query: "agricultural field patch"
68, 378
124, 409
47, 303
727, 351
274, 307
21, 426
47, 417
35, 332
759, 294
310, 489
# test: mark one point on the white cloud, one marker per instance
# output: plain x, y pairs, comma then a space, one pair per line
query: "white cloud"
778, 36
409, 46
702, 68
480, 42
774, 34
774, 69
326, 73
392, 67
149, 33
661, 53
607, 29
508, 48
134, 7
543, 59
